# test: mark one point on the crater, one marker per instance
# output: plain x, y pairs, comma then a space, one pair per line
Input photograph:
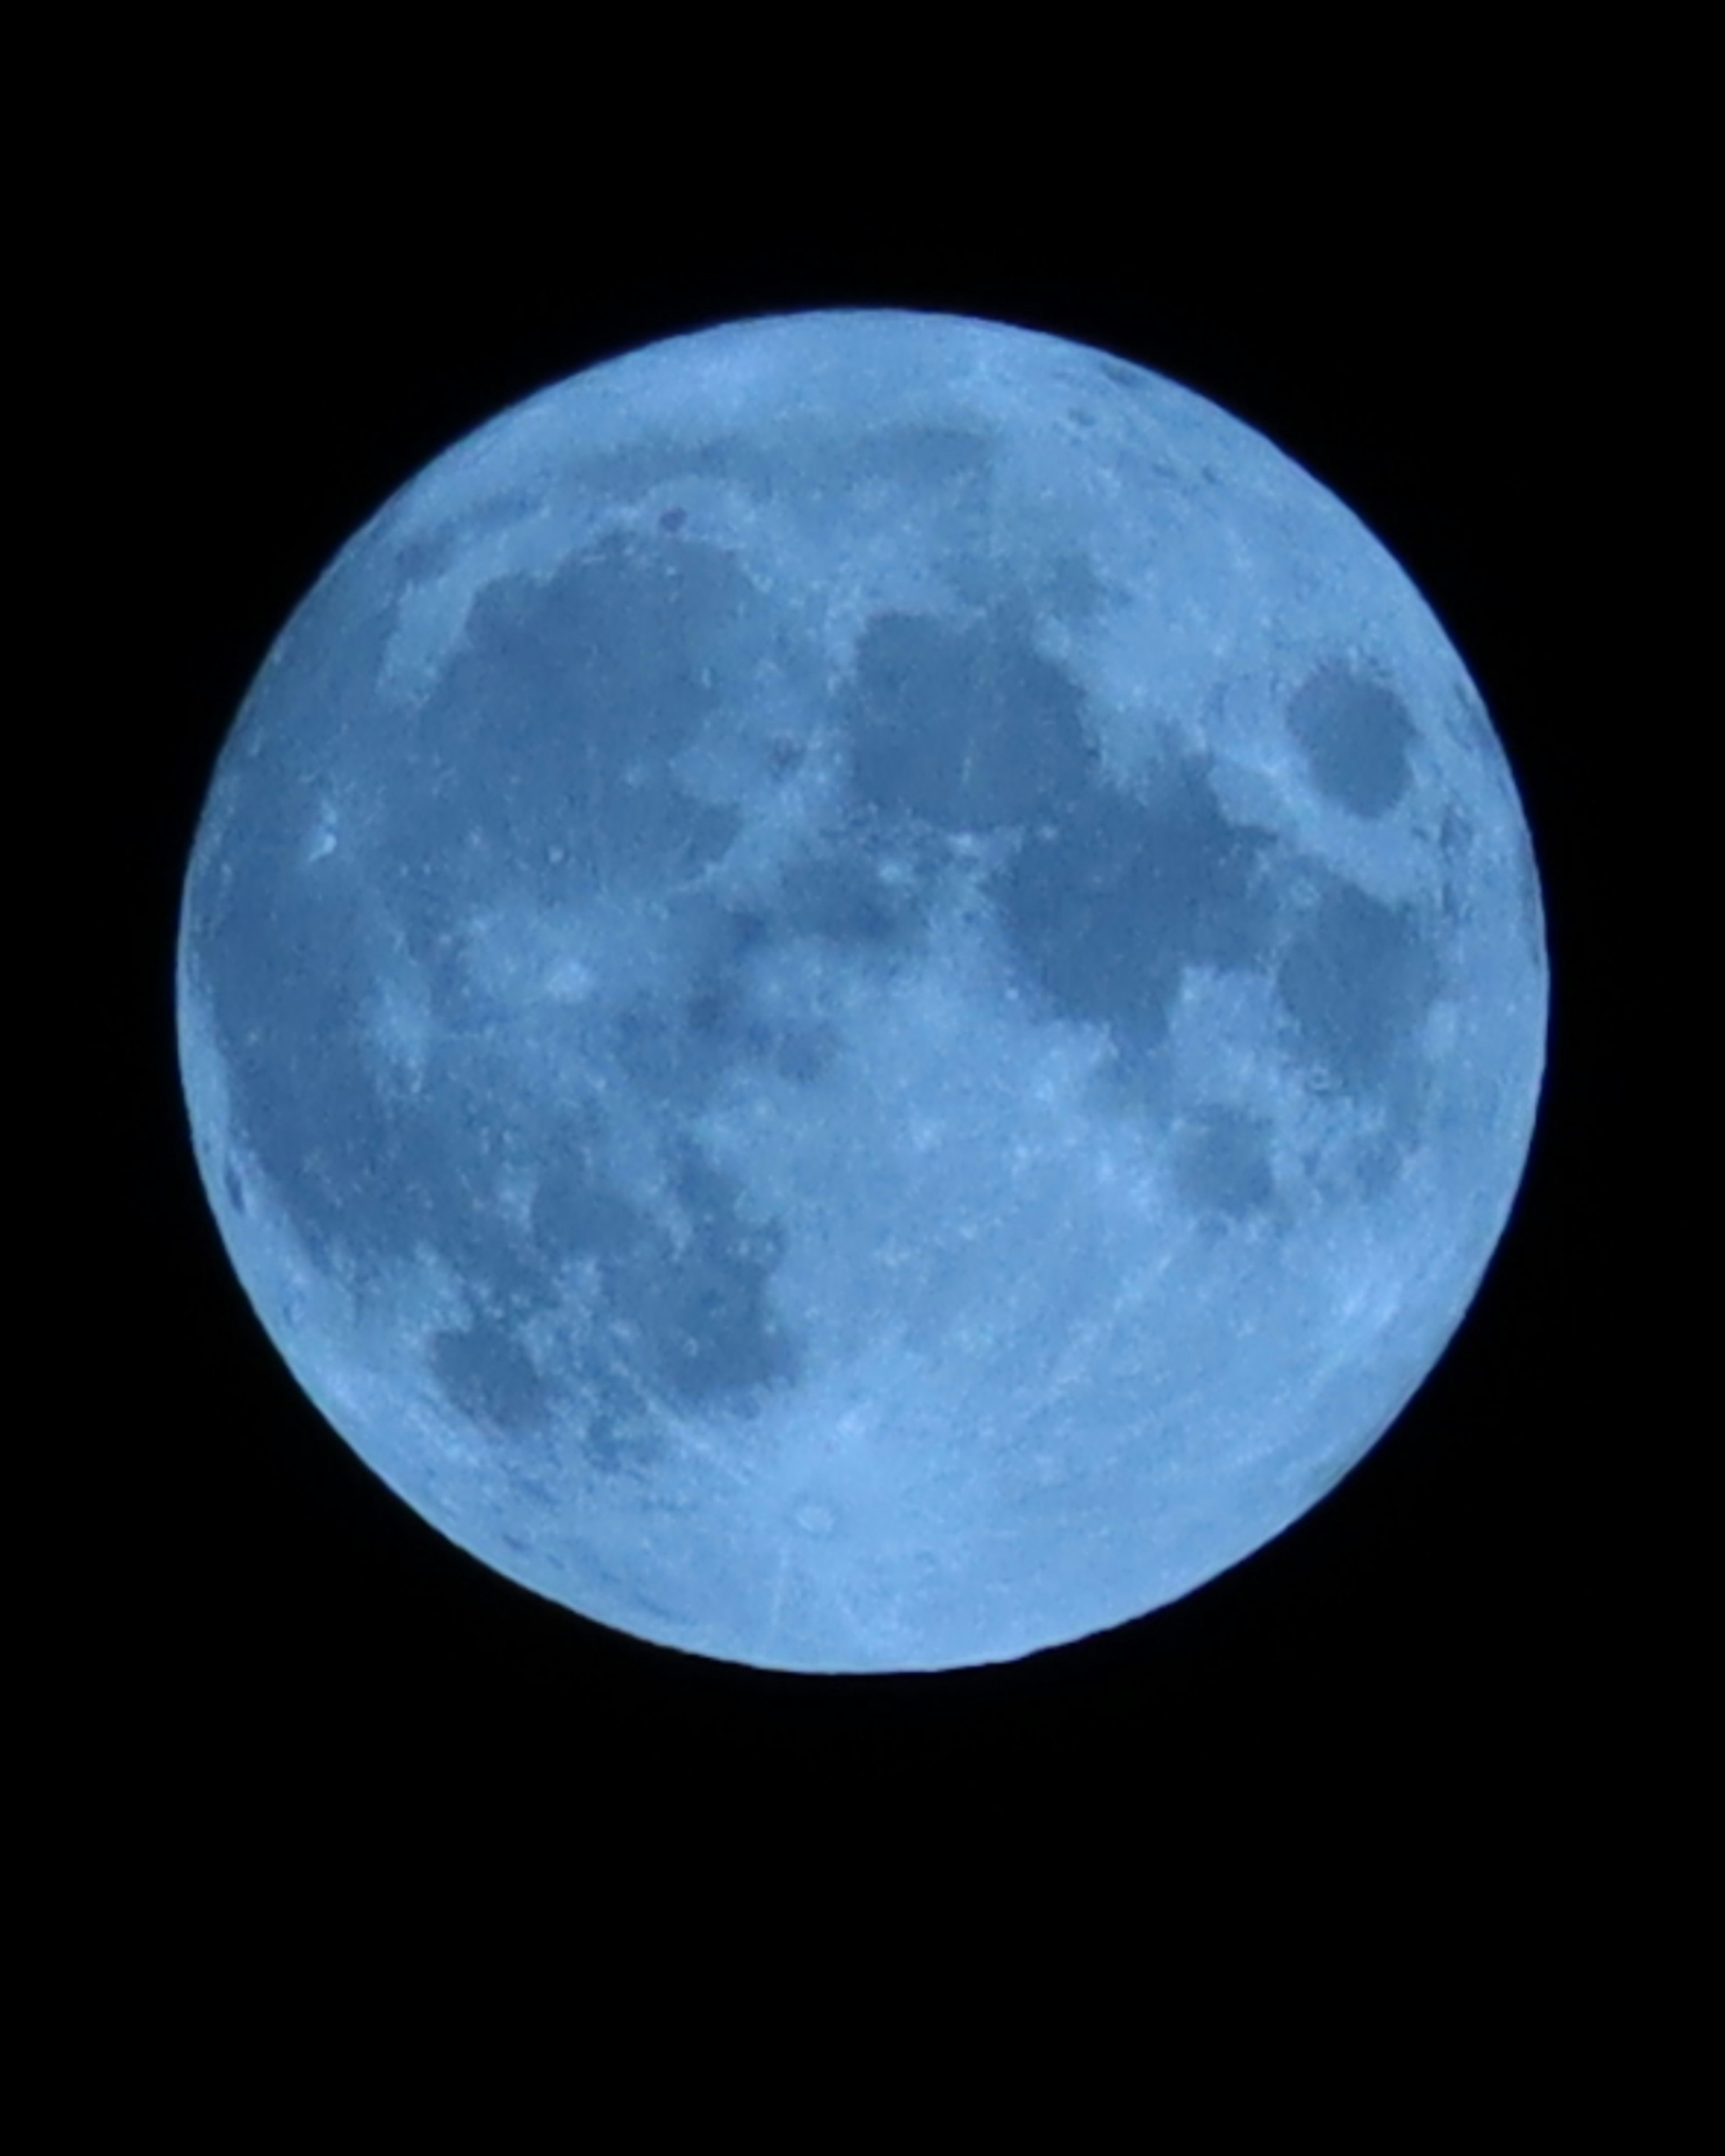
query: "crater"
1354, 732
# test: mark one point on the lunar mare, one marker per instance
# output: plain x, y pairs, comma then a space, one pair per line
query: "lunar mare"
862, 992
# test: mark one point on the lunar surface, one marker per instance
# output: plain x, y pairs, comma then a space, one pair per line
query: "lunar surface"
862, 992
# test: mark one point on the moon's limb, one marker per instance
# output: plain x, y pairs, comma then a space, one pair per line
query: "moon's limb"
862, 992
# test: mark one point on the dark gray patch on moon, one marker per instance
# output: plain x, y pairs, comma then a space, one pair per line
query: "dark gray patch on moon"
1069, 588
684, 1303
618, 1443
575, 1212
1355, 733
1222, 1165
697, 1305
1455, 838
667, 1056
843, 898
285, 957
433, 551
785, 754
486, 1374
542, 757
678, 1050
303, 1082
514, 775
805, 1055
1105, 908
965, 725
927, 458
718, 1018
1356, 981
625, 475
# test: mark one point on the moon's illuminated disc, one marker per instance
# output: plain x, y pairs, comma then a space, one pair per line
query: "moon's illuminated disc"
862, 992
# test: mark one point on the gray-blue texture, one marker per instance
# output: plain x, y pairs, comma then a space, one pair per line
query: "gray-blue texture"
862, 992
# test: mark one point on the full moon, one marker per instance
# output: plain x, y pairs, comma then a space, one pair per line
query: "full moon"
862, 992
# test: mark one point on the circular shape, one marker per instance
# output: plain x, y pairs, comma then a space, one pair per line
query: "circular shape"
862, 992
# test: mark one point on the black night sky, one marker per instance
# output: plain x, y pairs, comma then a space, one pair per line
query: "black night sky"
1429, 1645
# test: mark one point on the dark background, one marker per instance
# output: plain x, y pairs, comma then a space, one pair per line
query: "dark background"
1431, 1658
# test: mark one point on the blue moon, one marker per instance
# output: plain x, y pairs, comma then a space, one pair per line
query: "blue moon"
862, 992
